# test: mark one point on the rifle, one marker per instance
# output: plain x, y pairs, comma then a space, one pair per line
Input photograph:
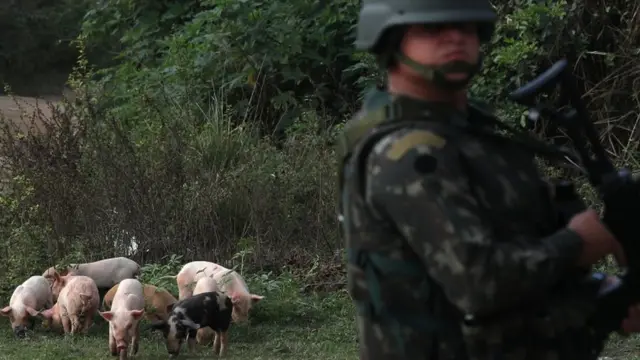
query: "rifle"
617, 189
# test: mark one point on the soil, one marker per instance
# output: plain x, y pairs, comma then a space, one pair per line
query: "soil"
20, 109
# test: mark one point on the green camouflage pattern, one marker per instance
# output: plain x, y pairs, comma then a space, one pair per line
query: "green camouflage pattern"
476, 227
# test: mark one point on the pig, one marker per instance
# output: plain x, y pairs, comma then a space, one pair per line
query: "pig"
124, 317
208, 309
77, 304
156, 301
106, 273
205, 284
229, 282
191, 273
27, 299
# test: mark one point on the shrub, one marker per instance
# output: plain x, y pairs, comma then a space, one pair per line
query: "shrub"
209, 134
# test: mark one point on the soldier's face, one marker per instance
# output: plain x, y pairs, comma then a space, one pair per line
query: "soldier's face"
441, 44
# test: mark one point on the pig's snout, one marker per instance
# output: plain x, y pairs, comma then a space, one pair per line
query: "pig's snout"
20, 331
121, 347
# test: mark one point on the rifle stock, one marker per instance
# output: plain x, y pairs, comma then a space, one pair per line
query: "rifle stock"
619, 192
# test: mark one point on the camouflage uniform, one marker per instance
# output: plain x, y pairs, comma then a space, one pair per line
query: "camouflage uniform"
454, 244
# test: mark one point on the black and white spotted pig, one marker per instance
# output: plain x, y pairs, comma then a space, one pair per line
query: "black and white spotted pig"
208, 309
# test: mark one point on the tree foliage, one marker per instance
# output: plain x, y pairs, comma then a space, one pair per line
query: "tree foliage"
204, 128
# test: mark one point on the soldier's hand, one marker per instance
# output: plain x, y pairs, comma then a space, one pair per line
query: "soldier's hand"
632, 323
598, 241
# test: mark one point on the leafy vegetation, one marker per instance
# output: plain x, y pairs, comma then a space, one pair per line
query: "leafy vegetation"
204, 129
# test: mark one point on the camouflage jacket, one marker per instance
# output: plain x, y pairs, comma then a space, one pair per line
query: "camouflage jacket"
454, 246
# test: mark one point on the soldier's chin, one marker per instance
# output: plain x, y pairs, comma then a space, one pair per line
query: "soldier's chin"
456, 76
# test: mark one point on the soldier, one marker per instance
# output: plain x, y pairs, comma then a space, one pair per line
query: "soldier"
455, 246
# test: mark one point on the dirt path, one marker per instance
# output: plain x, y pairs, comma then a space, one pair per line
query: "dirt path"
12, 108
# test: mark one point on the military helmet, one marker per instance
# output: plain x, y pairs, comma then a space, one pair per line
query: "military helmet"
377, 16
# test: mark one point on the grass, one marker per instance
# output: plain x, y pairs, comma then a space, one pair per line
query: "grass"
327, 334
286, 325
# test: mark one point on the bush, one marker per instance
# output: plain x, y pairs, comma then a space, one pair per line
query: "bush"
209, 134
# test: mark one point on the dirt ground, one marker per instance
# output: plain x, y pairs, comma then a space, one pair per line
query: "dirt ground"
11, 108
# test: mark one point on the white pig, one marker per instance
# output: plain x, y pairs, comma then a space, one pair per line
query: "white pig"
77, 304
229, 282
205, 284
33, 295
106, 273
124, 317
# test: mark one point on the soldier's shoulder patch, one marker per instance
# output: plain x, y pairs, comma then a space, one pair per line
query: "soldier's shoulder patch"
412, 139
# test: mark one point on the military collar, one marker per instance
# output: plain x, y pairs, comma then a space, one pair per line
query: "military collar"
404, 107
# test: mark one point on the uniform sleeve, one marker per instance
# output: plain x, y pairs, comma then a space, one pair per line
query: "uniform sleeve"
414, 179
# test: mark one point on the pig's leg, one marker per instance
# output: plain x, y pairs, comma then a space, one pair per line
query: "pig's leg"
216, 342
66, 323
203, 337
199, 337
223, 343
75, 322
191, 341
88, 321
112, 344
135, 340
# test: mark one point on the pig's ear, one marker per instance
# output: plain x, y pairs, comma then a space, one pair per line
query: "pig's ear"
256, 298
6, 311
56, 277
45, 314
137, 314
31, 311
107, 315
235, 297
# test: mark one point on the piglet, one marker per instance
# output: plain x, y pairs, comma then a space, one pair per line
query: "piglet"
106, 273
156, 301
232, 284
205, 284
208, 309
124, 318
34, 294
77, 304
229, 282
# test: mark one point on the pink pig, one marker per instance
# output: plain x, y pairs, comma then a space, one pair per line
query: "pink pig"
27, 299
77, 304
127, 309
106, 273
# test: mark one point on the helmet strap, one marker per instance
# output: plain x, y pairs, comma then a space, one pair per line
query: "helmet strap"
437, 75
